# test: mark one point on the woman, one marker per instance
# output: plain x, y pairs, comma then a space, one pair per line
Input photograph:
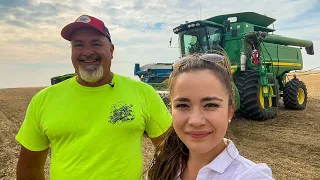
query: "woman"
202, 106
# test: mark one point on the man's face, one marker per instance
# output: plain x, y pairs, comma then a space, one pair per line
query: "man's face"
91, 56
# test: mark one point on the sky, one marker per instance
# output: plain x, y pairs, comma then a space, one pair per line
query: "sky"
32, 49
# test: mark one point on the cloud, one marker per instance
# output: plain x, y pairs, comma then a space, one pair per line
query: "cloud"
18, 23
32, 15
14, 3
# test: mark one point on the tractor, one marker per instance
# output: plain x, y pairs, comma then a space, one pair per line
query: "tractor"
260, 60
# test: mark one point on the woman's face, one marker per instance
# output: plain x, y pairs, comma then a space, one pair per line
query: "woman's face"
200, 110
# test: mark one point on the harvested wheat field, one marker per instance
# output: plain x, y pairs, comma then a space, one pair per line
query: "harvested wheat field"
289, 144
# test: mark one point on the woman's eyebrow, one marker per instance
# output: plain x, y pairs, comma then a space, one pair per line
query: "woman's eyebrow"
182, 99
211, 99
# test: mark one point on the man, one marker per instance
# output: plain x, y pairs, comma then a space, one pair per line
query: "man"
149, 76
94, 122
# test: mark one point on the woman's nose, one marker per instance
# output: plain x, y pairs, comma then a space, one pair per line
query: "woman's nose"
196, 118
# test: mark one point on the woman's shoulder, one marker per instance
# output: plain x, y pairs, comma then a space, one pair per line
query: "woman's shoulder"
247, 169
244, 168
256, 171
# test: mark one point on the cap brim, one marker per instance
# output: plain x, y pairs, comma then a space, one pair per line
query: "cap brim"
69, 29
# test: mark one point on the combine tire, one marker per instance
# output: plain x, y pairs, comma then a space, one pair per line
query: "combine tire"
295, 95
253, 105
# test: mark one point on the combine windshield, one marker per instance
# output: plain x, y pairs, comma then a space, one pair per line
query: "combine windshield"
199, 40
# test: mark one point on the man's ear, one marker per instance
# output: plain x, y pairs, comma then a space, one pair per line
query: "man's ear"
111, 50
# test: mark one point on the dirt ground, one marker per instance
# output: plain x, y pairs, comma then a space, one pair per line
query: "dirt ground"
289, 144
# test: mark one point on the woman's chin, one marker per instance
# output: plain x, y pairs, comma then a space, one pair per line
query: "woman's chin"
199, 149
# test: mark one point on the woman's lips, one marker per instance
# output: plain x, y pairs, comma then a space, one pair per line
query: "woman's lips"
198, 134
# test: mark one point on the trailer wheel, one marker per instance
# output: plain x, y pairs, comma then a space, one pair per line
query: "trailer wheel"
252, 104
295, 95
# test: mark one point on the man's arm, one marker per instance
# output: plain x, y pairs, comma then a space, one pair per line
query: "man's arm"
31, 164
156, 141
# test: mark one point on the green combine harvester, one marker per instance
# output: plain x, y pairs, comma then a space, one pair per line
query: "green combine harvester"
260, 60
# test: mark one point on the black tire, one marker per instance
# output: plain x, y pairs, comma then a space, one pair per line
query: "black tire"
292, 91
248, 84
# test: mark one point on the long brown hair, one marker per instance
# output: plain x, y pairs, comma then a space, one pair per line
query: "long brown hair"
172, 154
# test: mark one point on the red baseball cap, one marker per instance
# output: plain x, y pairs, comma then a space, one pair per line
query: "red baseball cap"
85, 21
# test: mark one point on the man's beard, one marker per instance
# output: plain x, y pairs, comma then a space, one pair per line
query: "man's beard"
91, 73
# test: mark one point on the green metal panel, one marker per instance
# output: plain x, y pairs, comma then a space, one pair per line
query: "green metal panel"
289, 54
269, 52
277, 39
212, 23
233, 49
283, 58
242, 28
249, 17
263, 29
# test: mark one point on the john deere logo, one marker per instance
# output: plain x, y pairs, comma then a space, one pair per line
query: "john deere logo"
84, 19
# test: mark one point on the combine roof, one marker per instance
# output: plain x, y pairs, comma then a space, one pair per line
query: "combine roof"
249, 17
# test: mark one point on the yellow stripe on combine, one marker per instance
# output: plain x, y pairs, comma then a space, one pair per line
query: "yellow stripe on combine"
277, 64
284, 64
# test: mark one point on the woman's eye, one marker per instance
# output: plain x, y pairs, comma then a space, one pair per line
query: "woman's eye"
211, 105
182, 106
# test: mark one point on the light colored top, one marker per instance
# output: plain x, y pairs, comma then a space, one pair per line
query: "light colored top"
95, 133
229, 165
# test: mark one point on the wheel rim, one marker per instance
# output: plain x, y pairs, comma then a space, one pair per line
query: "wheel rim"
300, 96
265, 89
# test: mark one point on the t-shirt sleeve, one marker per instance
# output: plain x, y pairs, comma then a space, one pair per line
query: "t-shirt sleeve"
259, 171
30, 134
158, 116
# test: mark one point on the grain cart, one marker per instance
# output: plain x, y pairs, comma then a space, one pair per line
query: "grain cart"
154, 74
260, 60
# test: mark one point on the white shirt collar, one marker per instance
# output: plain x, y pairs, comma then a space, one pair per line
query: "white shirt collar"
223, 160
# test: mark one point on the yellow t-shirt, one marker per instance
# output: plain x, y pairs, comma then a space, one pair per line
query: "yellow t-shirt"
95, 133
